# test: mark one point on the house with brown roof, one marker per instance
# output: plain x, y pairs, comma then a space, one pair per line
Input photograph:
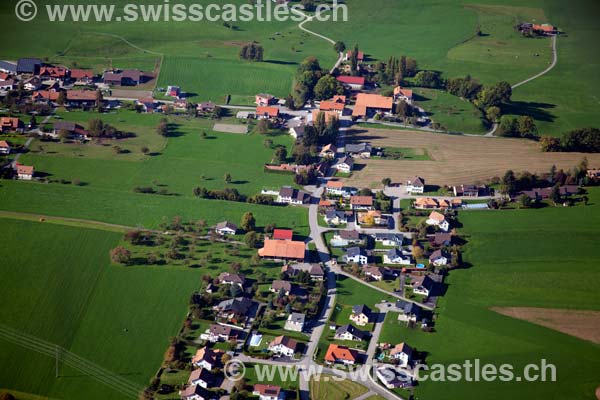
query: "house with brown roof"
73, 130
283, 346
328, 151
405, 95
332, 106
361, 202
4, 147
81, 98
217, 333
207, 358
129, 77
268, 392
227, 278
233, 310
25, 172
403, 353
48, 72
426, 203
201, 377
283, 250
265, 112
82, 76
314, 270
415, 185
281, 286
368, 104
340, 354
11, 125
45, 96
439, 220
343, 238
226, 228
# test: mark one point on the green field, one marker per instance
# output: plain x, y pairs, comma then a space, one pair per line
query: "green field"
76, 299
538, 258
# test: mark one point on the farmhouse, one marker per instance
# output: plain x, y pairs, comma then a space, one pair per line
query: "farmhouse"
57, 73
352, 82
25, 172
130, 77
328, 151
331, 106
439, 220
368, 104
403, 353
361, 150
207, 358
11, 125
283, 346
226, 228
268, 392
340, 354
356, 255
295, 322
415, 185
345, 165
82, 76
289, 195
350, 332
263, 99
361, 315
4, 147
283, 249
401, 94
361, 202
81, 98
74, 130
264, 112
45, 96
29, 66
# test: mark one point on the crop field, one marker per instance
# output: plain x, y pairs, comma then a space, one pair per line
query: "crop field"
455, 159
76, 299
523, 258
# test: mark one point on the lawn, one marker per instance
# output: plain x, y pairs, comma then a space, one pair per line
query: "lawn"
328, 387
539, 258
62, 288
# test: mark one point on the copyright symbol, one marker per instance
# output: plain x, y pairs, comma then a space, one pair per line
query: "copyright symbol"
234, 370
26, 10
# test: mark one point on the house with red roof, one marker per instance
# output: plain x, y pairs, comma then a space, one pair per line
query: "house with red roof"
401, 94
265, 112
340, 354
352, 82
283, 234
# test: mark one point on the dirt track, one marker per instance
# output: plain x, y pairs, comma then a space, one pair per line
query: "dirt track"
582, 324
455, 159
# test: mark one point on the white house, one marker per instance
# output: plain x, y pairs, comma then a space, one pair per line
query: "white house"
295, 322
226, 228
423, 286
396, 256
438, 258
4, 147
289, 195
392, 378
202, 378
283, 346
403, 353
351, 333
345, 238
268, 392
334, 217
439, 220
345, 165
207, 358
356, 255
415, 185
337, 188
25, 172
389, 239
405, 95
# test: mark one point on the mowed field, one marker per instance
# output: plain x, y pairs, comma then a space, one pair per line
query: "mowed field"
58, 285
544, 258
455, 159
178, 164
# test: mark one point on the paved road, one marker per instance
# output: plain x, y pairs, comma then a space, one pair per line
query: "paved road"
544, 72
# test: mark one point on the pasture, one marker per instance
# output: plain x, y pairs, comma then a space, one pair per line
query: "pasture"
519, 258
62, 288
454, 159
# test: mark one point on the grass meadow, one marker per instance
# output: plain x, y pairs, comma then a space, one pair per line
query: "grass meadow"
539, 258
177, 164
76, 299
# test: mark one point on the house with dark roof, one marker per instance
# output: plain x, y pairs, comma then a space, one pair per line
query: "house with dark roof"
345, 165
201, 377
362, 150
350, 332
233, 309
8, 67
424, 285
197, 392
389, 239
281, 286
410, 311
268, 392
227, 278
226, 228
314, 270
415, 185
283, 346
397, 256
441, 239
129, 77
29, 66
361, 315
356, 255
438, 258
335, 217
345, 238
403, 353
74, 130
295, 322
289, 195
216, 333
